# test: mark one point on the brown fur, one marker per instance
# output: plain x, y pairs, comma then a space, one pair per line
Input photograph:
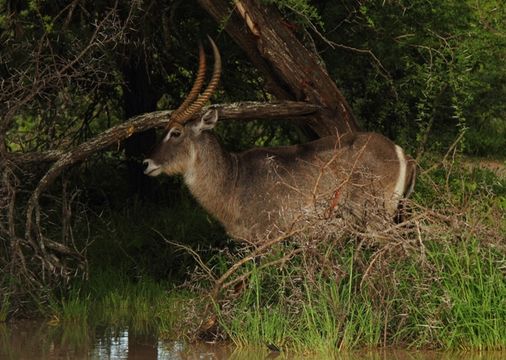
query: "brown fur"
261, 192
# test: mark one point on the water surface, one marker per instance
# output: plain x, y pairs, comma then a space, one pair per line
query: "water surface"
29, 340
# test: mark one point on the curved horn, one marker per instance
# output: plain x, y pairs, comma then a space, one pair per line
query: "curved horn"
208, 92
197, 85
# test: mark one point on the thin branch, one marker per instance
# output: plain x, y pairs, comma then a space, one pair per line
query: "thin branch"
192, 252
383, 71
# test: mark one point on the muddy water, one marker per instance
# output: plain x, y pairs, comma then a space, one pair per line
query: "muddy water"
35, 341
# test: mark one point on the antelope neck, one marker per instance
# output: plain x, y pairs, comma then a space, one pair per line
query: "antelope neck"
211, 176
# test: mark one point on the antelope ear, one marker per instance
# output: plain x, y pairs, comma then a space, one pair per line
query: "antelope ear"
207, 121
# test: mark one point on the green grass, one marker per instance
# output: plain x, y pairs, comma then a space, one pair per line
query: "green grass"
447, 293
113, 300
457, 302
460, 304
4, 309
325, 315
473, 281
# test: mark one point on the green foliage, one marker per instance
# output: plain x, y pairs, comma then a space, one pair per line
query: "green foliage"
303, 12
434, 68
487, 139
437, 69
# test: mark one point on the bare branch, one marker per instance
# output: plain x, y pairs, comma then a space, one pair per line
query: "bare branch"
243, 111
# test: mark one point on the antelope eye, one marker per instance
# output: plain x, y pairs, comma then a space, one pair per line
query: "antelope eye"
175, 133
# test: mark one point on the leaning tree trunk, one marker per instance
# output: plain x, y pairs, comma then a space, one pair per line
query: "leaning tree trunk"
291, 71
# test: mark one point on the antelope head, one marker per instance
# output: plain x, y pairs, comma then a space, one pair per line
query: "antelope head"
176, 150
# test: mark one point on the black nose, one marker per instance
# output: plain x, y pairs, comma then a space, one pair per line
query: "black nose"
145, 165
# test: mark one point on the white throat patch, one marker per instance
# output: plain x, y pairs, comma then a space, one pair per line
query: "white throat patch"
190, 174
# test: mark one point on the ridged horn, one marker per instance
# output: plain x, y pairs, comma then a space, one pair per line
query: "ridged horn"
197, 86
186, 114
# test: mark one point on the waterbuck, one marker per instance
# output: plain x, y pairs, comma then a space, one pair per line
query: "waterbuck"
263, 191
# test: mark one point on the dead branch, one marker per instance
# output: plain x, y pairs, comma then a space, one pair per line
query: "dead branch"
218, 285
281, 261
193, 254
243, 111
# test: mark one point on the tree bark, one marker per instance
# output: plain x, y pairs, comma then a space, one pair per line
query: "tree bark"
291, 71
